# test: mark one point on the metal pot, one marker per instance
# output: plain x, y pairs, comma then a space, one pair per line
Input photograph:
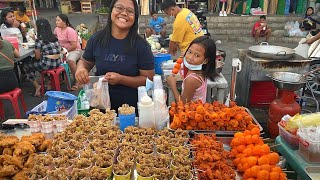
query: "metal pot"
264, 50
287, 80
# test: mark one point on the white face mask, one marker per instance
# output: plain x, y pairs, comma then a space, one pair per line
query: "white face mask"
191, 66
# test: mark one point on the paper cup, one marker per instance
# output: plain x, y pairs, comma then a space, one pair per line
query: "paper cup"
122, 177
127, 120
108, 169
144, 178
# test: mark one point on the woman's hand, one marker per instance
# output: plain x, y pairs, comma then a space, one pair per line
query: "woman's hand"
171, 81
113, 78
82, 76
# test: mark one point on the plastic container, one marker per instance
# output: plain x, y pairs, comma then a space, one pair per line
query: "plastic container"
35, 126
59, 101
41, 108
82, 111
47, 127
146, 112
158, 60
61, 125
126, 120
290, 139
309, 150
13, 40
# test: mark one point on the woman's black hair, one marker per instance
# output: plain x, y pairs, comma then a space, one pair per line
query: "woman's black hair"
307, 11
4, 14
65, 19
104, 36
209, 69
44, 31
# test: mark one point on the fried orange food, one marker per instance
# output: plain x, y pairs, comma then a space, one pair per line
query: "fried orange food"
30, 161
7, 151
12, 160
9, 141
22, 175
35, 139
8, 170
46, 144
23, 148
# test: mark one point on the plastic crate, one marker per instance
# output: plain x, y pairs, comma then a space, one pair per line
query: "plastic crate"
309, 150
290, 139
71, 113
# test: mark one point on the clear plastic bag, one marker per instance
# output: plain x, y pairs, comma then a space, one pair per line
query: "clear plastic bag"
99, 95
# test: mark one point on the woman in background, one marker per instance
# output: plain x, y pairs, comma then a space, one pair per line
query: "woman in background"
9, 26
47, 53
309, 22
68, 39
8, 79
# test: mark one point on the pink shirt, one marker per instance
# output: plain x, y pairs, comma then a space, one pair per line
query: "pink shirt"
201, 92
66, 36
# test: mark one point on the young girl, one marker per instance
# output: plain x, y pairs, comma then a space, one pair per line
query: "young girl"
310, 21
200, 59
47, 53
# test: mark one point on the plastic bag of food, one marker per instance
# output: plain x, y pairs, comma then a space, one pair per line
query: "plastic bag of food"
99, 95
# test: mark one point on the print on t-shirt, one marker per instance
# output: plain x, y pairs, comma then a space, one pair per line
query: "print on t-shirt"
194, 23
115, 58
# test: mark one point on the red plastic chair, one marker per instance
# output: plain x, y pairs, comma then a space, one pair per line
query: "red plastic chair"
54, 78
13, 97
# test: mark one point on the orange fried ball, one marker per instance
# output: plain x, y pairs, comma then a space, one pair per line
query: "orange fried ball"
274, 158
263, 175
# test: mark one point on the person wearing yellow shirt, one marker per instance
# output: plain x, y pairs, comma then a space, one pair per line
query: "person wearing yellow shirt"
186, 26
21, 15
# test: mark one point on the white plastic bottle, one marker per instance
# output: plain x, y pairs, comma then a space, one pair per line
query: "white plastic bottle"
146, 112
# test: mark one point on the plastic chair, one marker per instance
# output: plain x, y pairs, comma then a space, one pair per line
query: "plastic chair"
54, 78
13, 97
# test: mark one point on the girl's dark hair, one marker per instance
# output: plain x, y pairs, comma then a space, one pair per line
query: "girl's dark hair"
44, 31
22, 9
4, 14
308, 9
209, 69
65, 19
104, 36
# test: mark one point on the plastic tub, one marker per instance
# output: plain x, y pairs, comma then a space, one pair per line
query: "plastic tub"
35, 126
290, 139
309, 150
59, 101
158, 60
126, 120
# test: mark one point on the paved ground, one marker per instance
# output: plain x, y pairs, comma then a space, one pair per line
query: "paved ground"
91, 19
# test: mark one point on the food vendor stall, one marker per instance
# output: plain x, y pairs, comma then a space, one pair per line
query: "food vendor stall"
194, 146
257, 89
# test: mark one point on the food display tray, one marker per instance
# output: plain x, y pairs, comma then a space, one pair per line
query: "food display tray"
220, 132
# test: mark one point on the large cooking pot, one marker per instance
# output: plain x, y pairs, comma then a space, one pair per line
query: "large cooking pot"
264, 50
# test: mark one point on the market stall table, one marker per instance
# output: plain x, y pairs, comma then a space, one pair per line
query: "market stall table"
254, 87
294, 159
23, 54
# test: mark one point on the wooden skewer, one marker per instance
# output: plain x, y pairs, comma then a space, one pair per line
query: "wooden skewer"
275, 145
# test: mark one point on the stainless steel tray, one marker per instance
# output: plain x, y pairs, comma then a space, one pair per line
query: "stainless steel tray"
220, 132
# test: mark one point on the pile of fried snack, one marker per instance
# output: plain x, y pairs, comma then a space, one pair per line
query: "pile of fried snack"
93, 147
18, 157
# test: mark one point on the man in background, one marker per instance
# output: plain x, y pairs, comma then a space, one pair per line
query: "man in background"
186, 27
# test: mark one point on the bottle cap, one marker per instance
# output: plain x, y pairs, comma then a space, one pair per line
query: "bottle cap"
146, 100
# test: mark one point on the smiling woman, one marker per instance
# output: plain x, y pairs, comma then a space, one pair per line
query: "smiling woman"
120, 54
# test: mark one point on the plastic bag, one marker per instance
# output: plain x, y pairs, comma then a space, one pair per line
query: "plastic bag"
99, 95
295, 30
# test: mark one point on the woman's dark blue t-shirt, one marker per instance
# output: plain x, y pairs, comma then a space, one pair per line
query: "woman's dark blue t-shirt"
120, 58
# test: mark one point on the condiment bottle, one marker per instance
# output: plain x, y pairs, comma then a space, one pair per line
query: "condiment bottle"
146, 112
